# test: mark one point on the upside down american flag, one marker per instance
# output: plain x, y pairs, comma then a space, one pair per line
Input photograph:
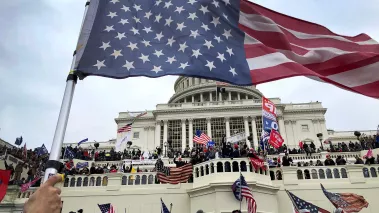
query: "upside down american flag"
238, 42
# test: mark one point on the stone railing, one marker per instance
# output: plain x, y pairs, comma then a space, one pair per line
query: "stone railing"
86, 181
370, 171
349, 156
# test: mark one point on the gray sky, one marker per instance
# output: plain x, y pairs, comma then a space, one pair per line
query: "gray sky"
36, 45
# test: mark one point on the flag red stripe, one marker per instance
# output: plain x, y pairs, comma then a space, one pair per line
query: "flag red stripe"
294, 23
177, 175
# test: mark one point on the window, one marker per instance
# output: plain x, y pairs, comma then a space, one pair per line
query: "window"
136, 135
218, 130
305, 128
236, 125
187, 82
174, 133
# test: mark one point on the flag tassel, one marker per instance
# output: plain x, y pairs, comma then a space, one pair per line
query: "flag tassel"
64, 113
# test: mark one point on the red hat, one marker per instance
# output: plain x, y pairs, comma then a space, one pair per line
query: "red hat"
236, 146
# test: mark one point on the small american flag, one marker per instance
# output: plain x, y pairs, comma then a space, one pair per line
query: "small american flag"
106, 208
126, 128
201, 138
173, 175
242, 190
302, 206
164, 207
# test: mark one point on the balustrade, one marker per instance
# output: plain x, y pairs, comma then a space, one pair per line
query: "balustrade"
370, 171
321, 173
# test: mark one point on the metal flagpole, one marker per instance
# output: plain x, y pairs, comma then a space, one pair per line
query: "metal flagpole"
170, 207
53, 164
240, 192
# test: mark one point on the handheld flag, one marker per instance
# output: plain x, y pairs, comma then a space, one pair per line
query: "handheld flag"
69, 154
172, 175
164, 207
42, 150
82, 141
302, 206
81, 165
276, 139
201, 138
153, 39
18, 141
26, 186
349, 202
4, 180
241, 190
257, 162
106, 208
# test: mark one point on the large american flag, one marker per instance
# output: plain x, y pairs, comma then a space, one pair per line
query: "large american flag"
302, 206
126, 128
201, 138
106, 208
173, 175
242, 190
232, 41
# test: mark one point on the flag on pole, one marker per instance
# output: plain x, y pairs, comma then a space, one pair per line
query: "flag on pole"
201, 138
349, 202
26, 186
82, 141
69, 154
172, 175
18, 141
137, 114
153, 39
164, 207
106, 208
5, 175
241, 190
257, 162
302, 206
42, 150
276, 139
126, 128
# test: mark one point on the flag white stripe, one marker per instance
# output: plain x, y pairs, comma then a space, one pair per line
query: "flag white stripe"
262, 23
268, 60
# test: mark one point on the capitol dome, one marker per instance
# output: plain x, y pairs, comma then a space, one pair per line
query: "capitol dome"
189, 89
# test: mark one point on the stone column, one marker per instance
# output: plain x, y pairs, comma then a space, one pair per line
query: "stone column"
157, 141
229, 96
185, 100
146, 130
239, 96
220, 97
193, 99
247, 131
282, 129
227, 126
210, 96
294, 129
190, 132
164, 136
246, 97
201, 97
183, 135
209, 127
255, 132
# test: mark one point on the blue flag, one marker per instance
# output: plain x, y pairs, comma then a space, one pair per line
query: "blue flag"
80, 165
42, 150
69, 154
82, 141
18, 141
123, 39
164, 207
211, 144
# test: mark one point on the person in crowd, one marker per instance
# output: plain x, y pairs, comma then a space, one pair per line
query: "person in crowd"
200, 211
311, 163
370, 160
286, 161
340, 160
319, 163
358, 160
236, 152
236, 211
113, 169
127, 169
18, 171
85, 171
92, 170
329, 161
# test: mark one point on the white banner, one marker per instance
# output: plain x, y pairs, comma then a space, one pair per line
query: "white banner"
141, 162
236, 138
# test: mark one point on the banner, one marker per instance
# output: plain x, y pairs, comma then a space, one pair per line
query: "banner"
81, 165
26, 186
257, 163
236, 138
276, 139
4, 180
141, 162
269, 122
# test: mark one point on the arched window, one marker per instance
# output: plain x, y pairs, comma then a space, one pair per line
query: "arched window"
343, 173
373, 172
72, 182
243, 166
207, 169
123, 180
307, 174
138, 180
197, 172
98, 181
336, 173
329, 173
279, 175
151, 179
85, 182
227, 167
144, 180
105, 181
201, 171
220, 167
314, 174
365, 173
300, 175
212, 168
321, 173
272, 175
65, 182
92, 181
79, 182
235, 166
130, 180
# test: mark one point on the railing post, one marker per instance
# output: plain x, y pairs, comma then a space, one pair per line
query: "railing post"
114, 181
355, 173
290, 175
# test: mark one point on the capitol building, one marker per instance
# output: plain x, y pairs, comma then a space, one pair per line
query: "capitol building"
196, 105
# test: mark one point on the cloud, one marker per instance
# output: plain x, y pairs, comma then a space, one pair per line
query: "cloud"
37, 41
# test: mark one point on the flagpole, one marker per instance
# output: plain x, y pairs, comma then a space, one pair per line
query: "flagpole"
292, 201
170, 207
53, 164
240, 192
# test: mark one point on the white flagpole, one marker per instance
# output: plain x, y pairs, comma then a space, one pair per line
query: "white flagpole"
60, 129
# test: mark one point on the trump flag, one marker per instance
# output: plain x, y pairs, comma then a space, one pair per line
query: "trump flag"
4, 180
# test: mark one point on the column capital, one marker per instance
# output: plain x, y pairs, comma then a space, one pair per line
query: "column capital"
253, 117
293, 121
208, 118
314, 121
158, 122
280, 117
190, 120
183, 120
321, 120
245, 118
165, 122
286, 121
227, 119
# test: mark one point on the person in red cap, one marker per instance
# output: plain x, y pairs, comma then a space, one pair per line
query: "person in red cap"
329, 161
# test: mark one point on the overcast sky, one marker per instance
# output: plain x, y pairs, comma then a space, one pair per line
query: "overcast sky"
37, 39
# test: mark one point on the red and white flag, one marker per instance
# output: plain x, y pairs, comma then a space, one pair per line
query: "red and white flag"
279, 46
276, 139
26, 186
